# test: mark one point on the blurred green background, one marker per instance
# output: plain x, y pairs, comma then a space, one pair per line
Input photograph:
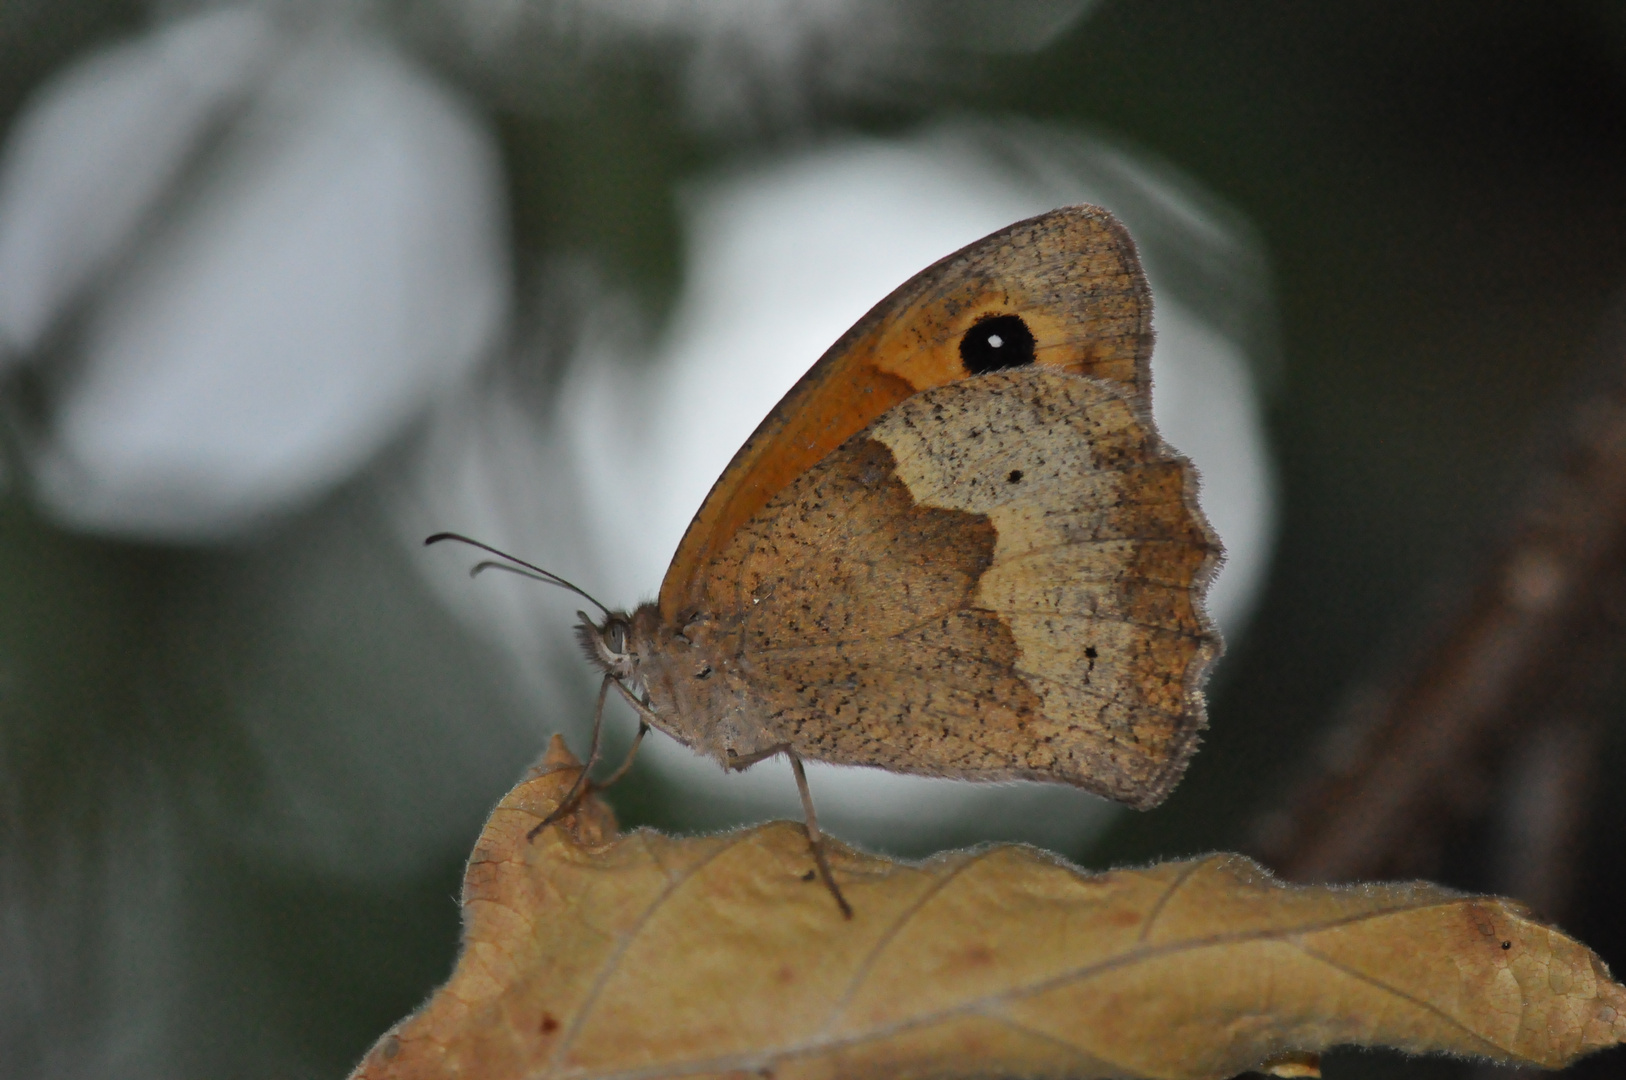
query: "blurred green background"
1440, 189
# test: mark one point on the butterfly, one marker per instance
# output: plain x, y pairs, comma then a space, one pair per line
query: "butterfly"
957, 547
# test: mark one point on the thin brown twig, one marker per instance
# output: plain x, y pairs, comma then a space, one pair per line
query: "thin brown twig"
1501, 704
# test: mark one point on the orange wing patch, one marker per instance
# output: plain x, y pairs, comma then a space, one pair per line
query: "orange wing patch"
1073, 277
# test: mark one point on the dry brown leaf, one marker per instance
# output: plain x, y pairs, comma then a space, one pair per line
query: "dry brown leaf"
589, 954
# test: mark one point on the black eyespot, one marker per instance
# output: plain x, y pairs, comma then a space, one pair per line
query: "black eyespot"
1507, 944
997, 342
1015, 477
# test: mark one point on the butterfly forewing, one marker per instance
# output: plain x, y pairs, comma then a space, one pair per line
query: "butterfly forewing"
1071, 276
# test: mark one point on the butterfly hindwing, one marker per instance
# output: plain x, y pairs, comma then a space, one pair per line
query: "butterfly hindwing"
999, 578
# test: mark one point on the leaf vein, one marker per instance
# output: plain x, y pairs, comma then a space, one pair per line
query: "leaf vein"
1434, 1010
865, 966
989, 1004
1116, 1068
612, 963
1162, 902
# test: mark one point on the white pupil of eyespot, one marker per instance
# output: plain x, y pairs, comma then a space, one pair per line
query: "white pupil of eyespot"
995, 340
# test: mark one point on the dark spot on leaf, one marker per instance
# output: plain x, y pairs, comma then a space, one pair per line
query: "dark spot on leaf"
810, 875
996, 343
549, 1024
978, 956
1015, 477
1090, 653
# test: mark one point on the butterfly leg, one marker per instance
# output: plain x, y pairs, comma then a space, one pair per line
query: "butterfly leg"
639, 706
736, 763
637, 741
815, 839
580, 787
645, 716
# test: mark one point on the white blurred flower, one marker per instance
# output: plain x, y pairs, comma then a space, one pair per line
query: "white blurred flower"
97, 149
755, 63
266, 249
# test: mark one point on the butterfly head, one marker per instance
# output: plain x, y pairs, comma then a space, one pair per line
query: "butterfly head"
609, 644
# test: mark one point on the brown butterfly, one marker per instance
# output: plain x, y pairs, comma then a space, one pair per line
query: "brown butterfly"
957, 547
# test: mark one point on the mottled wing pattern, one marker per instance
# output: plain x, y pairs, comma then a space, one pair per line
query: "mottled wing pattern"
999, 578
1073, 277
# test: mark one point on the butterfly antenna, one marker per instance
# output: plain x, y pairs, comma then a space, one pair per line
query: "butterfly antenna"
520, 567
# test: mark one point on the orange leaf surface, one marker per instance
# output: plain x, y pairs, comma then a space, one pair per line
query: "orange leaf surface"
589, 954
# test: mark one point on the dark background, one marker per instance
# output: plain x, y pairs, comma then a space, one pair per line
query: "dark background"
1441, 188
